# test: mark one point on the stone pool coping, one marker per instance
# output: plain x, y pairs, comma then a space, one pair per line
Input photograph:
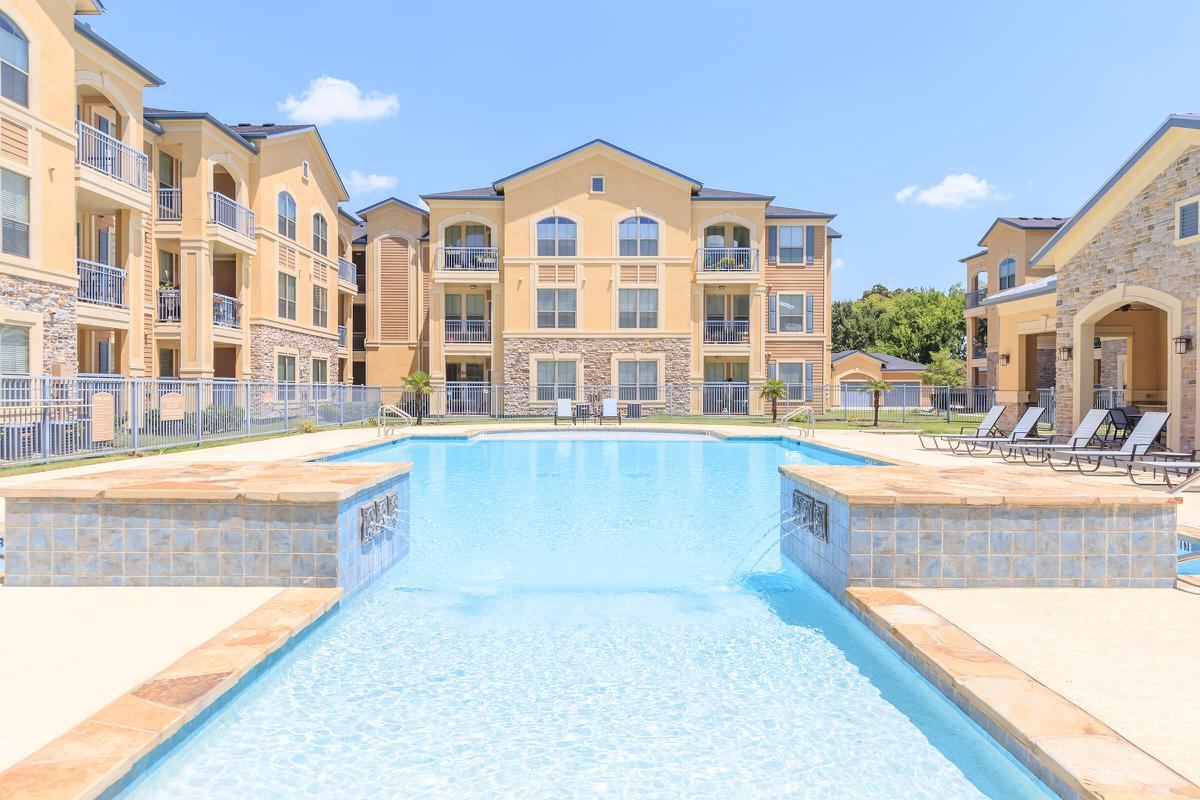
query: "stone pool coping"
269, 481
968, 485
101, 751
1068, 749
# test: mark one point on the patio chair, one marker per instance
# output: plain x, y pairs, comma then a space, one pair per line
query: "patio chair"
562, 410
1084, 438
1024, 431
986, 427
1119, 424
609, 410
1188, 465
1134, 448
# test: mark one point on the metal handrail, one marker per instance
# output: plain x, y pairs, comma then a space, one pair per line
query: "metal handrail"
230, 214
109, 155
170, 204
727, 259
388, 414
347, 271
805, 416
100, 283
973, 298
226, 311
726, 331
471, 259
168, 305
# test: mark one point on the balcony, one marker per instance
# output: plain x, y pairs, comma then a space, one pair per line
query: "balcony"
358, 341
361, 280
110, 156
227, 311
469, 259
170, 204
468, 331
230, 215
726, 331
979, 350
725, 260
975, 298
168, 305
347, 271
341, 335
100, 284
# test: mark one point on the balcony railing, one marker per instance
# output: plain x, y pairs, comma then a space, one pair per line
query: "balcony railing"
361, 279
228, 214
973, 299
727, 259
358, 341
979, 350
168, 305
726, 331
469, 259
347, 271
469, 331
170, 204
341, 335
111, 156
100, 284
227, 311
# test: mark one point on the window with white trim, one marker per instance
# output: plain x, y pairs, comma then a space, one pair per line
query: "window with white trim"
597, 184
791, 374
14, 62
638, 236
637, 381
14, 350
320, 376
791, 313
791, 244
556, 380
14, 213
287, 295
1008, 273
556, 308
556, 237
1189, 220
287, 215
637, 308
320, 307
320, 235
285, 375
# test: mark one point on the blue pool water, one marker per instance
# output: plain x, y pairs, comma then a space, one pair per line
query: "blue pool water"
568, 625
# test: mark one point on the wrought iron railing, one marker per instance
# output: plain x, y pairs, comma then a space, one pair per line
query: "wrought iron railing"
229, 214
227, 311
472, 259
347, 271
979, 350
727, 259
974, 298
168, 305
111, 156
358, 341
726, 331
170, 204
100, 284
468, 331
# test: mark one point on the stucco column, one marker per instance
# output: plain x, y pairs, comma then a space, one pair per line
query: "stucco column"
132, 355
245, 267
195, 310
758, 361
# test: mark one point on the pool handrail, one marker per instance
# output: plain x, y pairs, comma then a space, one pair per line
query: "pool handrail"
805, 416
393, 418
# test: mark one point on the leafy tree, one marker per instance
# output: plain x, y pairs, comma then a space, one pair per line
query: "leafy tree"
875, 388
774, 390
418, 384
945, 370
909, 323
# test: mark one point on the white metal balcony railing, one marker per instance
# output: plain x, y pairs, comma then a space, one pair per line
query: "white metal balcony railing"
168, 305
341, 335
228, 214
347, 271
975, 298
468, 331
111, 156
170, 204
100, 283
471, 259
727, 259
227, 311
726, 331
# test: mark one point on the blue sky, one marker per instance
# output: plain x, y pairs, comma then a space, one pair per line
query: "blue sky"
1028, 107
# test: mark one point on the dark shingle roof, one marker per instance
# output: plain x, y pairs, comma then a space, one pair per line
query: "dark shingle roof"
727, 194
501, 181
480, 193
1025, 224
266, 129
982, 252
890, 363
831, 233
783, 212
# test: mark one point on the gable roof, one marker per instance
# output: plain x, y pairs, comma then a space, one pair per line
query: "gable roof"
499, 184
889, 363
481, 193
1024, 224
156, 115
86, 31
727, 194
1190, 121
982, 252
396, 201
270, 130
783, 212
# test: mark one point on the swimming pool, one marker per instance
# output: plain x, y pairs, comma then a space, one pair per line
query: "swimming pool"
569, 624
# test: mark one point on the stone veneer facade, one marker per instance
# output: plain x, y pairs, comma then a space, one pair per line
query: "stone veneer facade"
1136, 248
56, 304
266, 339
596, 362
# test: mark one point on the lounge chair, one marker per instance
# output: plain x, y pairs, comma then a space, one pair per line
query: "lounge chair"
608, 410
1084, 437
562, 410
1188, 465
1135, 447
1024, 431
986, 427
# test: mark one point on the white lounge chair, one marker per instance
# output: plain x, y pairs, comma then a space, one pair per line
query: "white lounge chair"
986, 427
1024, 431
1135, 447
562, 410
1084, 437
608, 410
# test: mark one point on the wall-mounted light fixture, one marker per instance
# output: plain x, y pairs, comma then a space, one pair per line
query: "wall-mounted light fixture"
1004, 359
1064, 353
1182, 344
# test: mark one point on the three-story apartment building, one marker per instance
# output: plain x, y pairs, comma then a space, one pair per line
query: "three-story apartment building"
598, 269
202, 250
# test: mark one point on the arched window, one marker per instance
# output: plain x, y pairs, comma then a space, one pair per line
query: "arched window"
981, 282
320, 235
638, 237
556, 237
287, 215
14, 62
1008, 273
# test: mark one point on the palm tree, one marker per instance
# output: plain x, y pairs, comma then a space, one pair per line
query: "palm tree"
774, 390
418, 384
876, 387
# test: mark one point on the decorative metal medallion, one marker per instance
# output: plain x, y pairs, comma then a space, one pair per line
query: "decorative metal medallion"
378, 517
810, 514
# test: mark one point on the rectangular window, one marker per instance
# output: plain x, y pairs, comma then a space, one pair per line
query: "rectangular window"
287, 295
791, 313
166, 362
637, 308
556, 308
475, 306
555, 380
285, 374
791, 244
714, 307
14, 213
167, 275
454, 306
638, 380
792, 374
168, 173
597, 184
14, 66
320, 235
14, 350
1189, 219
320, 307
320, 370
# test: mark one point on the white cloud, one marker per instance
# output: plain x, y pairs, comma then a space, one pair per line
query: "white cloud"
955, 191
360, 182
332, 99
838, 263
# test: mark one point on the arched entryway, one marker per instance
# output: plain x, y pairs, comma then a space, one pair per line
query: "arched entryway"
1124, 337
